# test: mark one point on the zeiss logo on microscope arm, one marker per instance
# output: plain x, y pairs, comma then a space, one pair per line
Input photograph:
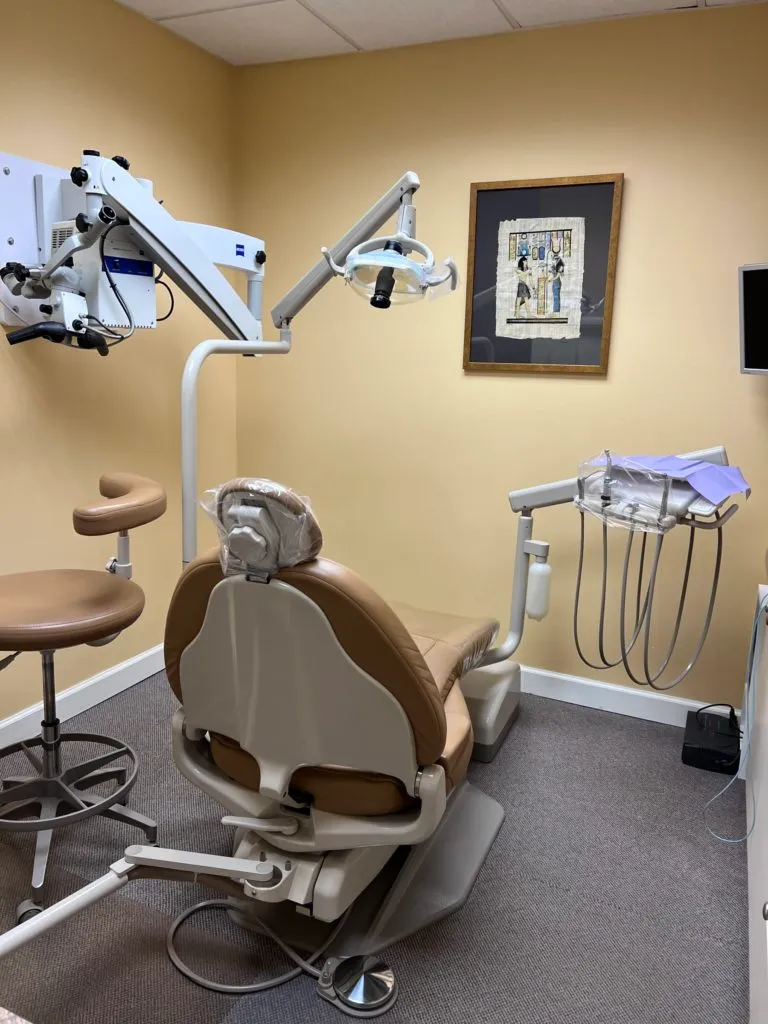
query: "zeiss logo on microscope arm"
239, 249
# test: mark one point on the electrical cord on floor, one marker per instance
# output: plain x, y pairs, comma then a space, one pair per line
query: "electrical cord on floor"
302, 965
753, 665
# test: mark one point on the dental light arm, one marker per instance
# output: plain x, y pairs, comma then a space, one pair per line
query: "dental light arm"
398, 197
70, 282
375, 267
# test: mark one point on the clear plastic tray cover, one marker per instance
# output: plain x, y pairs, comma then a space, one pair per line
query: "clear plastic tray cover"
621, 493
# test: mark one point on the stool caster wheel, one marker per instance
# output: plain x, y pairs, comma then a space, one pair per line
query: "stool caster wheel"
26, 910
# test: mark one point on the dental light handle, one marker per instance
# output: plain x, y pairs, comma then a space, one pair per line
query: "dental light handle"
385, 281
539, 580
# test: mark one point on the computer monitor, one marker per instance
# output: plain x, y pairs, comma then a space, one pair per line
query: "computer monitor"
753, 308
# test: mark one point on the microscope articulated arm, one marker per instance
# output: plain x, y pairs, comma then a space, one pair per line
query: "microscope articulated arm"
172, 248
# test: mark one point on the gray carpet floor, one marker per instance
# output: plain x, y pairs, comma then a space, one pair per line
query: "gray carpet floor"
603, 900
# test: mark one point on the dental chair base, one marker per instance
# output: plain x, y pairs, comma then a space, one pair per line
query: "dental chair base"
326, 883
492, 693
418, 886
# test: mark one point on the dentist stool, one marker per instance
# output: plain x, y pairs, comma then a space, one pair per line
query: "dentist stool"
46, 611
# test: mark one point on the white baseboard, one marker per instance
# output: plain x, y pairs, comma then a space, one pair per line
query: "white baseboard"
621, 700
84, 695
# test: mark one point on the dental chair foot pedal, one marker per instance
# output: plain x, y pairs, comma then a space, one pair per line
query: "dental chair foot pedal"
492, 693
360, 986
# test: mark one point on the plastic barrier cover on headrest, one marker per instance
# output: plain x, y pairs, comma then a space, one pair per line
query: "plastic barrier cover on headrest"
263, 526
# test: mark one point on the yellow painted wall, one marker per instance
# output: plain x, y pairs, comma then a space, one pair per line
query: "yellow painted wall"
67, 416
407, 460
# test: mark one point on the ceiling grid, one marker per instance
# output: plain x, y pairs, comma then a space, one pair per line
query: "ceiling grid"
265, 31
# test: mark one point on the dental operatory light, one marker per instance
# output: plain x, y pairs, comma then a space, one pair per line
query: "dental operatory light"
382, 269
381, 272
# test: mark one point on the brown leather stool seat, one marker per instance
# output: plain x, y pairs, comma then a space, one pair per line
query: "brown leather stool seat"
55, 608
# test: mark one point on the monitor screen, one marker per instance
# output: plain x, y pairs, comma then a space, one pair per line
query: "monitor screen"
754, 325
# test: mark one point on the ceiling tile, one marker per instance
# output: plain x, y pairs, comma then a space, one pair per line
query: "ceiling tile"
552, 12
376, 25
175, 8
261, 34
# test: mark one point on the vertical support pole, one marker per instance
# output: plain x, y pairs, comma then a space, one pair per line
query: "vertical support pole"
192, 368
123, 566
50, 723
519, 593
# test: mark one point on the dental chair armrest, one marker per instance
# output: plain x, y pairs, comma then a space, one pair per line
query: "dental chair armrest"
318, 831
131, 501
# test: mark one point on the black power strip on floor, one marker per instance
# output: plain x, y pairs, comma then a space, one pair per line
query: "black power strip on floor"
712, 742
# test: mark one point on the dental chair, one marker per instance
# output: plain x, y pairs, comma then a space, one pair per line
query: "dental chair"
52, 609
331, 725
333, 729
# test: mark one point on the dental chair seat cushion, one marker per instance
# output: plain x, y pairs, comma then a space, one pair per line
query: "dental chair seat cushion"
377, 640
57, 608
450, 644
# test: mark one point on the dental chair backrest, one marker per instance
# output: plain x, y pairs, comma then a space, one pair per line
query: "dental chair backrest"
296, 659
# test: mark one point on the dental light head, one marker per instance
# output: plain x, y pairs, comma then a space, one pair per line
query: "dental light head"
383, 272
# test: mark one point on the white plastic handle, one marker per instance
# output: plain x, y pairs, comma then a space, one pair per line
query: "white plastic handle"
284, 825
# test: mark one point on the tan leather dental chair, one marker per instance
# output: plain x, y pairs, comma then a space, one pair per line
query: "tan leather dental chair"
330, 724
46, 611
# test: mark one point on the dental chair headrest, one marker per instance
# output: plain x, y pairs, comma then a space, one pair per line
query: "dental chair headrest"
263, 526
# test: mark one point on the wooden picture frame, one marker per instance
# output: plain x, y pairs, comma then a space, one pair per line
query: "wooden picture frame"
540, 275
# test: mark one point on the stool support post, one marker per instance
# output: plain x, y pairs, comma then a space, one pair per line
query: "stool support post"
50, 723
